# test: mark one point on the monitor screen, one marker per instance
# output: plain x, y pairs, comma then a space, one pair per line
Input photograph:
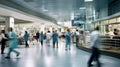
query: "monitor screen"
77, 22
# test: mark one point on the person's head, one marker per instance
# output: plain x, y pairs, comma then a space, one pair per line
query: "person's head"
48, 31
25, 31
10, 29
53, 31
68, 30
2, 31
97, 28
42, 32
76, 29
115, 29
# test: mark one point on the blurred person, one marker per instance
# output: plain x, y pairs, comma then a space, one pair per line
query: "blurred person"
116, 31
41, 37
37, 36
108, 32
68, 39
26, 37
77, 34
45, 35
95, 42
48, 37
0, 37
13, 43
3, 41
31, 39
55, 37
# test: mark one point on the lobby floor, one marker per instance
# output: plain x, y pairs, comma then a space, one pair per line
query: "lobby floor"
47, 56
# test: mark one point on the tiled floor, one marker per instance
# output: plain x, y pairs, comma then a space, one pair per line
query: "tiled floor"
46, 56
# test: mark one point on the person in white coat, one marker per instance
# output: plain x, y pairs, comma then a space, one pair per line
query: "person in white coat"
48, 37
95, 43
13, 43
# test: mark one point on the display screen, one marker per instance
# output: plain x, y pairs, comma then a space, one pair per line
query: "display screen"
77, 22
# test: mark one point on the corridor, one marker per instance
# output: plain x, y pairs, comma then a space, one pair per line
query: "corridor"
47, 56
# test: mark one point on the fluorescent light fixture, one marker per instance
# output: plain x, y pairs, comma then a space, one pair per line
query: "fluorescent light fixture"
88, 0
45, 10
82, 8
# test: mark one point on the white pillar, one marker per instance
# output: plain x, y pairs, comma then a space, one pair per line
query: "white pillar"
9, 22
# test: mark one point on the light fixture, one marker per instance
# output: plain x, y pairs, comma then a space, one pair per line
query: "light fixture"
88, 0
82, 8
45, 10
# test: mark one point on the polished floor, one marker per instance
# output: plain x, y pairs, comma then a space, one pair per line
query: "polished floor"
46, 56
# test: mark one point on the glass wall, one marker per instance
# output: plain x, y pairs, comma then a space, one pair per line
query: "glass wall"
107, 25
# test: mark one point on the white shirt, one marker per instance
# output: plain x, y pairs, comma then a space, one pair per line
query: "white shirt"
77, 33
0, 37
3, 36
48, 35
94, 39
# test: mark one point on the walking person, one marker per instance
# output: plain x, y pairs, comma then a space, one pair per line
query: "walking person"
26, 37
55, 38
68, 39
48, 37
3, 41
41, 37
37, 36
95, 42
77, 34
13, 43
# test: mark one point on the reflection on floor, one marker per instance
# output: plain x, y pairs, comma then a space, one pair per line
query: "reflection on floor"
46, 56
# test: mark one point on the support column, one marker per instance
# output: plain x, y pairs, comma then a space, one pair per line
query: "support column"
9, 22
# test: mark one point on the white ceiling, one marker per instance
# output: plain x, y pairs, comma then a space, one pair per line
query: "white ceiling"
61, 10
7, 11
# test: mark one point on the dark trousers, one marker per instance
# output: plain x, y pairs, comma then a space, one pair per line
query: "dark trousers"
41, 43
77, 40
94, 56
3, 46
54, 44
26, 44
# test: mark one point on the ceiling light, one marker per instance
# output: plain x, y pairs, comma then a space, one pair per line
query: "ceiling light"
88, 0
82, 8
29, 0
45, 10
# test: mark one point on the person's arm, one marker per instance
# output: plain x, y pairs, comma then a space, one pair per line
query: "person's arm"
11, 36
3, 36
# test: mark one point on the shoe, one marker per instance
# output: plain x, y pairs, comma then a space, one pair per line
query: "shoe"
18, 54
7, 57
90, 65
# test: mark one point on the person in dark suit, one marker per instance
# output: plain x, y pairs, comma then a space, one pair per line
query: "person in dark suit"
3, 41
37, 36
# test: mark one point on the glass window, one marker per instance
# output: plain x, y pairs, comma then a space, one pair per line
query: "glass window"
105, 22
112, 20
118, 19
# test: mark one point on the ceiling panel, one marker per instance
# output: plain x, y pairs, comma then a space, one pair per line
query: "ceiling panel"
58, 9
61, 10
